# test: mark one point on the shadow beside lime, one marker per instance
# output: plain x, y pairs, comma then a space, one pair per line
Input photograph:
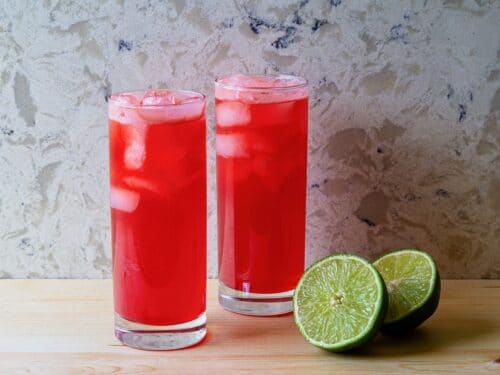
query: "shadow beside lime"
434, 336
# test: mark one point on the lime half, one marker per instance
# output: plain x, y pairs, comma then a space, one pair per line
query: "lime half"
412, 280
340, 302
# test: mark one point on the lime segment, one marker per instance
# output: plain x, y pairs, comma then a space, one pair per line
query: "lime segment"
340, 302
412, 281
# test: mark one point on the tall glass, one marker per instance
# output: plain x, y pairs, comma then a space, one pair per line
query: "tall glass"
261, 144
158, 217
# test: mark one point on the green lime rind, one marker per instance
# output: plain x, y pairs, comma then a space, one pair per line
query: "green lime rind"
356, 319
402, 318
416, 318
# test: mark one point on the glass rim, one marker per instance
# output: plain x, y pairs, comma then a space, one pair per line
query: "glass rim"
302, 82
197, 97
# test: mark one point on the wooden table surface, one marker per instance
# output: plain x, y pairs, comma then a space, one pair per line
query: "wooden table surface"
66, 327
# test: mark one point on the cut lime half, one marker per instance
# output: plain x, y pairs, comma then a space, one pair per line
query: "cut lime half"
340, 302
413, 284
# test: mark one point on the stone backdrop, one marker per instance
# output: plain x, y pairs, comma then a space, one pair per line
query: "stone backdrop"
403, 139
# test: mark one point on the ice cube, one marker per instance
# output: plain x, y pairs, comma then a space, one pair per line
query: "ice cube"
139, 183
122, 109
158, 98
231, 146
173, 113
130, 100
232, 114
123, 200
135, 152
165, 106
135, 155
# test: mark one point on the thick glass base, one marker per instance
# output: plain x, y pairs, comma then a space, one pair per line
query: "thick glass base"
148, 337
255, 303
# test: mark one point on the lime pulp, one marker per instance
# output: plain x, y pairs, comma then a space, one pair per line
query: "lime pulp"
413, 284
340, 302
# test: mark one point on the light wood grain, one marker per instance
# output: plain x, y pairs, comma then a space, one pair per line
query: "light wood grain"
66, 327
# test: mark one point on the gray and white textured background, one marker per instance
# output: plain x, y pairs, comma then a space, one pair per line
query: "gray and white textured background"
404, 137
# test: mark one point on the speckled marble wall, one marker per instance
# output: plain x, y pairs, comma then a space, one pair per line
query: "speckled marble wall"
404, 138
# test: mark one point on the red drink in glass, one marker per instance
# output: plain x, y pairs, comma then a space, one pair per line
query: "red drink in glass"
261, 146
158, 217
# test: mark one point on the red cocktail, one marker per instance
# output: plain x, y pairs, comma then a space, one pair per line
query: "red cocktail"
261, 146
158, 217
